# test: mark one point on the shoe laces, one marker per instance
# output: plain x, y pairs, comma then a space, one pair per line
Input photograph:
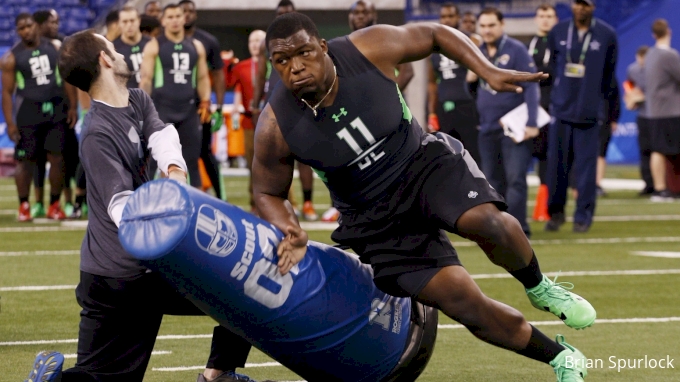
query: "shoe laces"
239, 377
560, 291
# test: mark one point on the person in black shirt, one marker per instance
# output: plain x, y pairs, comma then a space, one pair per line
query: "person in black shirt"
131, 43
339, 110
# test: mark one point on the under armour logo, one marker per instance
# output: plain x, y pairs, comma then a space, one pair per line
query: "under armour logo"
35, 53
135, 49
178, 46
336, 117
472, 194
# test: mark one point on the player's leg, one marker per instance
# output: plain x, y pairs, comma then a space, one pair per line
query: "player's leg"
80, 204
71, 162
457, 198
25, 153
491, 151
307, 183
516, 159
453, 291
557, 176
38, 209
585, 169
212, 166
190, 138
55, 143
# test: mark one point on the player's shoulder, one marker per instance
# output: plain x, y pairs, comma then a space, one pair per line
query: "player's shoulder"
205, 37
138, 96
117, 42
514, 43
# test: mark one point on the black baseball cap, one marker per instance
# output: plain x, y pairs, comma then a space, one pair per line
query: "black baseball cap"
587, 2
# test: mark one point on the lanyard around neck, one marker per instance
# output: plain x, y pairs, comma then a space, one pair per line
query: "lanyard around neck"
586, 42
532, 48
498, 50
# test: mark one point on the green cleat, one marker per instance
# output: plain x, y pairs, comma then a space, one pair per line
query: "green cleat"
574, 310
38, 211
570, 364
68, 209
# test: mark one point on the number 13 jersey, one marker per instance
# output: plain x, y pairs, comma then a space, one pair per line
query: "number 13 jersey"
174, 78
363, 143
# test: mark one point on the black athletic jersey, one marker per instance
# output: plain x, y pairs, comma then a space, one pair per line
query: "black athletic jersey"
451, 79
212, 48
174, 79
37, 75
540, 52
363, 143
133, 58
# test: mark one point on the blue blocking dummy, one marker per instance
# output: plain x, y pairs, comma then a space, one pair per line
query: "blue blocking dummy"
325, 320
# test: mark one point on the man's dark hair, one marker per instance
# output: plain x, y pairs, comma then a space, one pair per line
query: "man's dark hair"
79, 59
41, 16
286, 3
449, 4
186, 2
660, 28
22, 16
642, 50
546, 7
112, 17
148, 23
492, 11
146, 5
290, 23
171, 6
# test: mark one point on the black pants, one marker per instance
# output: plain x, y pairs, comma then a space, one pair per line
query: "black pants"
212, 167
119, 324
461, 123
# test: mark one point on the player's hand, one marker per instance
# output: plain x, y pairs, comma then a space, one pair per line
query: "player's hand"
216, 121
72, 117
176, 173
433, 122
13, 132
614, 126
292, 248
531, 132
204, 111
502, 80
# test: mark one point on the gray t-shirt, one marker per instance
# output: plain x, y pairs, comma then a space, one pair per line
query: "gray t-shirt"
636, 75
114, 155
662, 82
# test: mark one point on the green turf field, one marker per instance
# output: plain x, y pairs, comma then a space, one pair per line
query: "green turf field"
636, 297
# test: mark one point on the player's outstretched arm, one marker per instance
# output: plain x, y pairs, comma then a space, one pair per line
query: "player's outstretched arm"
8, 65
272, 175
148, 62
386, 46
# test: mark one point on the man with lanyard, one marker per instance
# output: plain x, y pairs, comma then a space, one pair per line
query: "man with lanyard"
131, 43
266, 80
398, 188
215, 65
174, 69
42, 112
450, 105
504, 160
546, 19
584, 54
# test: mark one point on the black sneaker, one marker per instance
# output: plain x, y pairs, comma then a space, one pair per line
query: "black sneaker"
600, 191
646, 191
581, 228
556, 220
662, 196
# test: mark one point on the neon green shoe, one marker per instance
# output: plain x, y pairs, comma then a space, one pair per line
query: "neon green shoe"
68, 209
38, 211
574, 310
570, 364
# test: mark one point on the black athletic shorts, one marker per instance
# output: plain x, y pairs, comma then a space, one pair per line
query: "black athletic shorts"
403, 236
71, 158
644, 134
605, 137
665, 135
40, 132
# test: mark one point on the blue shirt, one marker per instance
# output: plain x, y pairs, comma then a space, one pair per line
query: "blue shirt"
511, 54
579, 100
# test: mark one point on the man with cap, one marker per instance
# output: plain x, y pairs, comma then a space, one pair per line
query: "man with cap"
584, 53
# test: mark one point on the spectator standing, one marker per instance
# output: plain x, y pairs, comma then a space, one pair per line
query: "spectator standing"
662, 88
584, 53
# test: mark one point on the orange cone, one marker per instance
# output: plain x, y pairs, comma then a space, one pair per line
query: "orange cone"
205, 179
541, 207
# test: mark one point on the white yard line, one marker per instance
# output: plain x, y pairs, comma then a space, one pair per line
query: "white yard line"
667, 255
186, 368
648, 320
36, 288
40, 253
155, 352
28, 228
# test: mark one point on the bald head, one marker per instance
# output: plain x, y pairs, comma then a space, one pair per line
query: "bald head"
362, 14
255, 42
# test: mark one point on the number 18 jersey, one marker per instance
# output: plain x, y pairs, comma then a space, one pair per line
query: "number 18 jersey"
174, 78
133, 58
37, 75
363, 143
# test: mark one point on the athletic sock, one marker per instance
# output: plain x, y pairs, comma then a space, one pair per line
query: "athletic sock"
21, 200
541, 348
530, 276
54, 198
307, 195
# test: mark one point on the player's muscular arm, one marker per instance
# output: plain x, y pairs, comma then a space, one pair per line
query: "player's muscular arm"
405, 75
386, 46
148, 63
7, 64
203, 80
272, 174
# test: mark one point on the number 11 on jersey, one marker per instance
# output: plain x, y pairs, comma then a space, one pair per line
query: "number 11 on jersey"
368, 157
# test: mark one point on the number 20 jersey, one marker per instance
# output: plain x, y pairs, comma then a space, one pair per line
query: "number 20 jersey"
363, 143
133, 58
37, 76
